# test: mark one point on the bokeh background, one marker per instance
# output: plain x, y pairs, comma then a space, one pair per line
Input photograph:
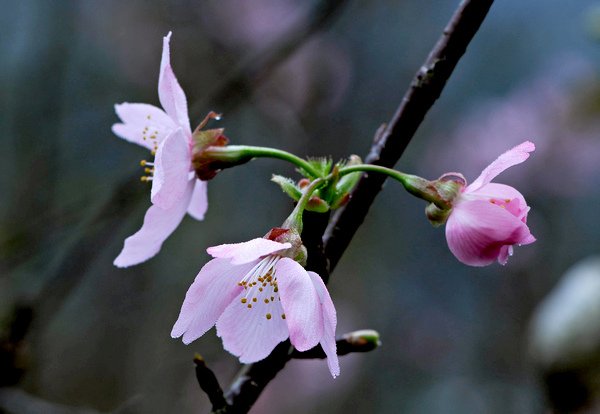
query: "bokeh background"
455, 338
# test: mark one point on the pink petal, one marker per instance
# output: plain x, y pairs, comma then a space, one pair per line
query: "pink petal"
495, 191
158, 225
172, 98
199, 202
330, 321
143, 120
300, 301
511, 157
247, 333
171, 170
477, 230
215, 287
247, 251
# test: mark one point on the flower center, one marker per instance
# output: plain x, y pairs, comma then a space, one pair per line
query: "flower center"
501, 203
149, 135
261, 292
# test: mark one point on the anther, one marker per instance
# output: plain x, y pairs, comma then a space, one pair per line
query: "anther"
249, 306
266, 300
268, 315
283, 316
254, 299
244, 300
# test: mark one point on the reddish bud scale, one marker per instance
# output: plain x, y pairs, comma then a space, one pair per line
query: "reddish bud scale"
205, 167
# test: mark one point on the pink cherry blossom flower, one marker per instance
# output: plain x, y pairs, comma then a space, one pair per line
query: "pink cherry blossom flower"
258, 298
175, 189
488, 219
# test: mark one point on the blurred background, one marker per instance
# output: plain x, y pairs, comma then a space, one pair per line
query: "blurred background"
313, 78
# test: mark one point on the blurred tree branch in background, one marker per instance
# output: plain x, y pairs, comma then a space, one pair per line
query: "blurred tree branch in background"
239, 84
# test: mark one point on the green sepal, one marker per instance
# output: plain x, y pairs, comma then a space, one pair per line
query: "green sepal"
346, 184
288, 186
321, 164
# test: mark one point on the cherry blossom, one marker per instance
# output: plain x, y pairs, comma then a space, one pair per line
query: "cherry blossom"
487, 219
175, 188
258, 297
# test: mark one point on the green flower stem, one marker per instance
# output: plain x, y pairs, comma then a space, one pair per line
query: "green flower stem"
294, 221
238, 152
415, 185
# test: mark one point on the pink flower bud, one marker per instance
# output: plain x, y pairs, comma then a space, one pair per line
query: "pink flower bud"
488, 219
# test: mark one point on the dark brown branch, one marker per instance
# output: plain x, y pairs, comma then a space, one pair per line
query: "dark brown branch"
389, 145
210, 385
425, 89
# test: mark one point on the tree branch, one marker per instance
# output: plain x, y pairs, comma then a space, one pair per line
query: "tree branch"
389, 145
210, 385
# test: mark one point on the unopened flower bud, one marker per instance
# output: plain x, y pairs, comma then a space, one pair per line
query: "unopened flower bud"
317, 205
364, 340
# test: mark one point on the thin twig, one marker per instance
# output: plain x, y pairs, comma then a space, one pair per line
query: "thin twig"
389, 145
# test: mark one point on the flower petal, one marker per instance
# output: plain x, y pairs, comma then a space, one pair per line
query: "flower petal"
215, 287
511, 157
158, 225
199, 202
143, 124
171, 170
495, 191
248, 333
477, 230
330, 321
247, 251
300, 302
172, 98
